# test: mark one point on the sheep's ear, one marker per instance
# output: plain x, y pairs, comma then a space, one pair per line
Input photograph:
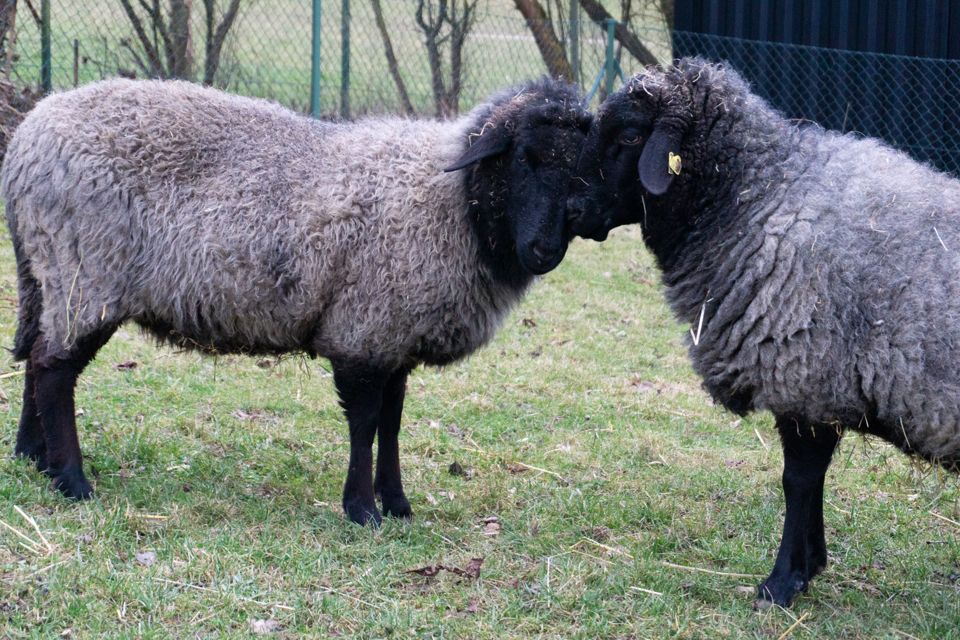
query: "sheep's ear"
492, 143
653, 166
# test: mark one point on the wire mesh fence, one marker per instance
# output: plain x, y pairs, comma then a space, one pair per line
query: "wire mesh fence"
267, 49
912, 103
375, 57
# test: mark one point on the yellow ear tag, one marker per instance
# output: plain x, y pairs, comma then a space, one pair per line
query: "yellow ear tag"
673, 163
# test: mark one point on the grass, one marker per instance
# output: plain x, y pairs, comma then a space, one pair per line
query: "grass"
626, 505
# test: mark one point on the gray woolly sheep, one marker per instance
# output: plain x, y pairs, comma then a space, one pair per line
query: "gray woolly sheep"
822, 272
232, 225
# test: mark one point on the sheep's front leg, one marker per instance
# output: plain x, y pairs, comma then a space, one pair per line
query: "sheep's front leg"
807, 451
361, 395
387, 482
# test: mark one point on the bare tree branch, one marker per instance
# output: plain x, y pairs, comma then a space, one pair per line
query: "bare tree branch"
623, 34
459, 28
216, 39
551, 50
431, 26
153, 56
392, 63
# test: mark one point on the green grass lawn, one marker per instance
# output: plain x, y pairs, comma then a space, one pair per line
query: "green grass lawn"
625, 504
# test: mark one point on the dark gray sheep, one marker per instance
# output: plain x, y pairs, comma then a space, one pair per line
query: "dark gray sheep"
820, 272
233, 225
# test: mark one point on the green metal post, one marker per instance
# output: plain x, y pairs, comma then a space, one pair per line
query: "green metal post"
610, 62
315, 62
345, 59
46, 81
575, 39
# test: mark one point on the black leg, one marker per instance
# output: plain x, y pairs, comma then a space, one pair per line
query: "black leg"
807, 451
387, 482
30, 440
56, 371
361, 396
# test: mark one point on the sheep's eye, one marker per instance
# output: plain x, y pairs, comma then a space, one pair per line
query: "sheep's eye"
629, 139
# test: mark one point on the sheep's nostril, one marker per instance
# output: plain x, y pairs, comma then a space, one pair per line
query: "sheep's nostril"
540, 252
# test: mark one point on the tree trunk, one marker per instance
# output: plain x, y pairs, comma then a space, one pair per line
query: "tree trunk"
215, 38
431, 27
626, 37
549, 45
181, 63
392, 63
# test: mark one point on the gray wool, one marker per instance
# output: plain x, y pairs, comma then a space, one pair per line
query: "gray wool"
826, 267
198, 213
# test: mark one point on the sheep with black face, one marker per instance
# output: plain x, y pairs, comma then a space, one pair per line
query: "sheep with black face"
822, 269
232, 225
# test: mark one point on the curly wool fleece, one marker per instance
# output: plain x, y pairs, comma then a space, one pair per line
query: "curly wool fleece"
825, 267
228, 223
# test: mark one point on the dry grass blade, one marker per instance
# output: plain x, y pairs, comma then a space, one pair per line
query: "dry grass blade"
33, 523
944, 518
726, 574
197, 587
602, 546
25, 540
794, 626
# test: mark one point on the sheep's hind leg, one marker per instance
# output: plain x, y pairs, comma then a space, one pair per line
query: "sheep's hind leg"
387, 482
361, 396
807, 451
30, 441
56, 371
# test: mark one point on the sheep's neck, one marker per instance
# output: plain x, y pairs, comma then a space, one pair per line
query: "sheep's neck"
722, 210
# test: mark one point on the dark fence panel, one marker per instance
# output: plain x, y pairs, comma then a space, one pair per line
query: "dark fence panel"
882, 69
928, 28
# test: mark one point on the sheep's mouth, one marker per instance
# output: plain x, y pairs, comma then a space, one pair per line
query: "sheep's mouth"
541, 264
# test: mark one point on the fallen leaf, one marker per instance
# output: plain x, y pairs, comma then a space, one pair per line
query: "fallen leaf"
472, 569
126, 366
433, 501
262, 627
456, 469
473, 606
265, 363
513, 467
146, 558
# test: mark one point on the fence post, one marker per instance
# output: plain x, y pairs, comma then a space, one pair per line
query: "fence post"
575, 40
46, 81
610, 62
345, 59
315, 61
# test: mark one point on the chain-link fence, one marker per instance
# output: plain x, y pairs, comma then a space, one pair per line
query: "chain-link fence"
375, 56
267, 49
912, 103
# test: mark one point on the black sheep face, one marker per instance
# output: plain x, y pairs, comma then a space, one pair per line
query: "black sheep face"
647, 145
521, 160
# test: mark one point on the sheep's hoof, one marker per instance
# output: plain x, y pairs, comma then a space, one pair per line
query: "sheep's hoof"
779, 591
397, 506
72, 484
362, 513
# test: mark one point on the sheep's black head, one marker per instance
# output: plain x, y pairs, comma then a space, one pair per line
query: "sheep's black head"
649, 141
523, 149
